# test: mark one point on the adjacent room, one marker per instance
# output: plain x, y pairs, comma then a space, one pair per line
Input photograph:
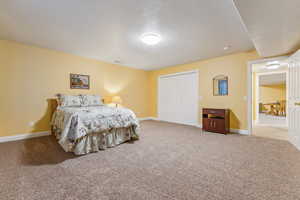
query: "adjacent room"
149, 100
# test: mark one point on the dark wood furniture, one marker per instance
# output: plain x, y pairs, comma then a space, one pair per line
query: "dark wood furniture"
215, 120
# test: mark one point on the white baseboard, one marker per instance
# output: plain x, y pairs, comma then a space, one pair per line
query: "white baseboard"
24, 136
239, 131
146, 118
46, 133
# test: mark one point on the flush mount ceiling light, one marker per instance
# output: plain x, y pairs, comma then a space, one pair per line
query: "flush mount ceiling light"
117, 61
273, 65
227, 47
151, 38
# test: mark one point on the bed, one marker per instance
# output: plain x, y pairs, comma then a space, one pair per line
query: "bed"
83, 124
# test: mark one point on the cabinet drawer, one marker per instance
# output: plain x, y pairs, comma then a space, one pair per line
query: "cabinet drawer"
214, 111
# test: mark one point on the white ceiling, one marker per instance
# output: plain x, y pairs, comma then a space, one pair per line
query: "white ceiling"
272, 79
191, 30
273, 25
109, 30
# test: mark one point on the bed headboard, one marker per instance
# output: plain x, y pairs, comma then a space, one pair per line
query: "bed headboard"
55, 102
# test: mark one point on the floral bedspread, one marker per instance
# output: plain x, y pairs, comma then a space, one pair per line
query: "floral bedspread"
74, 123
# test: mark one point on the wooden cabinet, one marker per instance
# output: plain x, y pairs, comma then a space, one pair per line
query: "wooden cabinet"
215, 120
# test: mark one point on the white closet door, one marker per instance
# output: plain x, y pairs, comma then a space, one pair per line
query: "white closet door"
166, 99
178, 98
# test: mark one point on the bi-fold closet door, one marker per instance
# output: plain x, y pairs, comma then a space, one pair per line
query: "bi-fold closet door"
178, 97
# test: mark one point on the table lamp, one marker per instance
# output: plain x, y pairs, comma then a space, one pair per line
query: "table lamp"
117, 100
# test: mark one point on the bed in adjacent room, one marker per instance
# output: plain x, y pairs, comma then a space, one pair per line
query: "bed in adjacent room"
83, 124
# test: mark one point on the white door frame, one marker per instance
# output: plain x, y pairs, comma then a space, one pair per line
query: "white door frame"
250, 89
177, 74
258, 92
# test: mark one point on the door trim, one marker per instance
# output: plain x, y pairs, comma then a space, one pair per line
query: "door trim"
198, 92
179, 73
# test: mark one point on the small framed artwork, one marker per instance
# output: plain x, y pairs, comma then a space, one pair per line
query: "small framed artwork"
78, 81
220, 83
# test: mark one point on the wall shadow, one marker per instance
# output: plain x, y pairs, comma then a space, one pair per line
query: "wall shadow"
235, 123
43, 124
44, 150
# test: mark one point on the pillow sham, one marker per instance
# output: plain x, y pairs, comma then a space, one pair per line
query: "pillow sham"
91, 100
69, 100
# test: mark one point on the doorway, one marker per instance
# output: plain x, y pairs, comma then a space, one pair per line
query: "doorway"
268, 105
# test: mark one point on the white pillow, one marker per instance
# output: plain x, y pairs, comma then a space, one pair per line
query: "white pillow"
69, 100
91, 100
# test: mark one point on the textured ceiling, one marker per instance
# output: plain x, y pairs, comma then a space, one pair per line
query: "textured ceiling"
273, 25
191, 30
110, 30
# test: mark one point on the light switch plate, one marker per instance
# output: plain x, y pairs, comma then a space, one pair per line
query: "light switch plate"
31, 124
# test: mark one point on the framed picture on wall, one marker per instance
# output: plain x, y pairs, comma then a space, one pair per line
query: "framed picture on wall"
78, 81
220, 83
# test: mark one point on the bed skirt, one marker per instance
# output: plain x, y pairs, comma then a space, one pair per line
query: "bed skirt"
100, 141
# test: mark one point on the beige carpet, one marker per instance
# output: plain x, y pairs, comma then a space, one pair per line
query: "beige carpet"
169, 162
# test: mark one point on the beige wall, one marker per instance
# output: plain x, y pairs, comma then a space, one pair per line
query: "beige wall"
234, 66
30, 76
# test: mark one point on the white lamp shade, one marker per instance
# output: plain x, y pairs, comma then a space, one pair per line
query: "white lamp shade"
116, 100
